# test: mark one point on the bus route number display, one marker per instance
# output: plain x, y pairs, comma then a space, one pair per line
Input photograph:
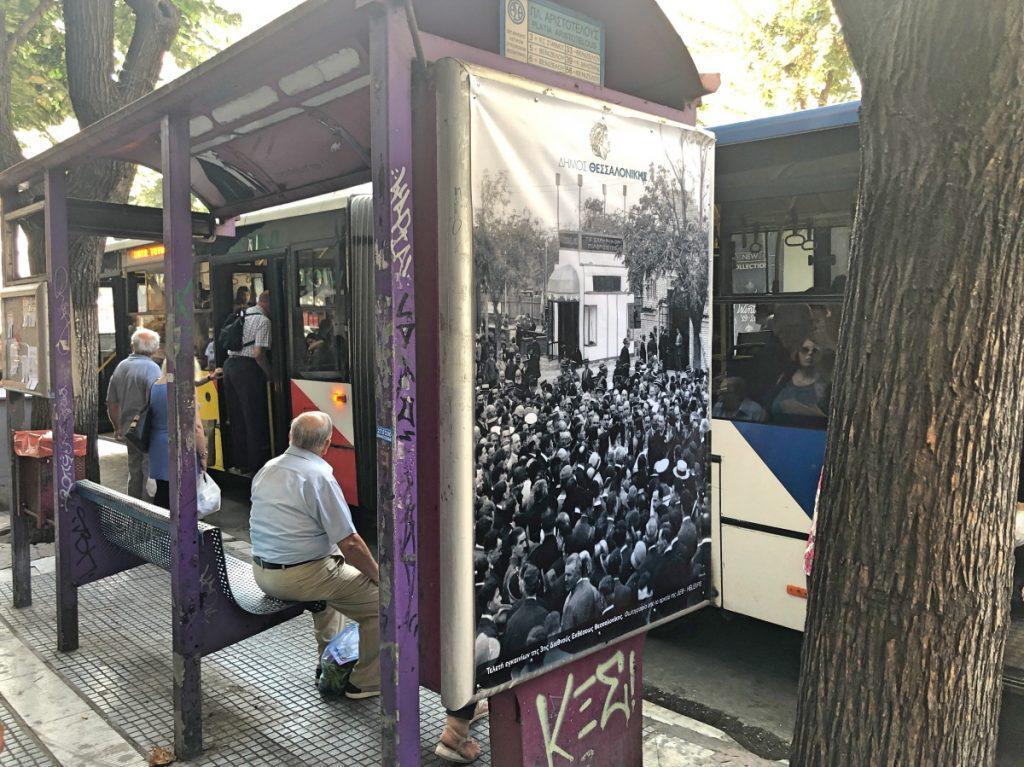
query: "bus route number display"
547, 35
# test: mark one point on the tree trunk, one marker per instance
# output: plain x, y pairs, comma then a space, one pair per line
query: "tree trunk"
696, 319
908, 607
85, 254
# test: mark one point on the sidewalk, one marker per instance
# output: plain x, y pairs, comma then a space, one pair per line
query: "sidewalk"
108, 704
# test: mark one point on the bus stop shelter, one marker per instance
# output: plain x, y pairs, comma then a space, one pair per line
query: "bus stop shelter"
319, 100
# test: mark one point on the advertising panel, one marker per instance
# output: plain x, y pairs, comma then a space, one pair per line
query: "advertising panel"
586, 438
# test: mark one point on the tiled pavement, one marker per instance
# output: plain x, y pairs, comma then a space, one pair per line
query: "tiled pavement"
260, 707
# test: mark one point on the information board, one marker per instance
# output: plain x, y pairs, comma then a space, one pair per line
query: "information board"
24, 353
547, 35
576, 492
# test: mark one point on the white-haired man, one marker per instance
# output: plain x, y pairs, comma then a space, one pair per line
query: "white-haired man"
128, 394
305, 547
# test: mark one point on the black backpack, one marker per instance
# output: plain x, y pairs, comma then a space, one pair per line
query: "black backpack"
230, 335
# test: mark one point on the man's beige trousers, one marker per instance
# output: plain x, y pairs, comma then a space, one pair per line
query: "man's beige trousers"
346, 591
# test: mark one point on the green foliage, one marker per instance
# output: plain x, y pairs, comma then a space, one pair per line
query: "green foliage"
510, 247
660, 239
39, 96
597, 220
800, 56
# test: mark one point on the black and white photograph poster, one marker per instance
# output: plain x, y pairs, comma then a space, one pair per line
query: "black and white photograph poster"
592, 233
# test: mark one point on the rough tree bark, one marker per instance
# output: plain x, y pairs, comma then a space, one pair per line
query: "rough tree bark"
909, 594
96, 89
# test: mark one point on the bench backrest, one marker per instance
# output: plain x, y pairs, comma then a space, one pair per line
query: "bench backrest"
139, 528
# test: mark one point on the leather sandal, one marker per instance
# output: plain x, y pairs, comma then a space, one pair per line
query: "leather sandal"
480, 712
457, 749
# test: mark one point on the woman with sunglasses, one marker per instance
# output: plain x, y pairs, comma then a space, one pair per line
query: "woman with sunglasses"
802, 399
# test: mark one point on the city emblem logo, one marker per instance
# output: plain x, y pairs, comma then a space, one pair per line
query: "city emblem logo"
599, 141
516, 11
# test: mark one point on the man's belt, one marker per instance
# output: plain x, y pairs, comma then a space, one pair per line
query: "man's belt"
274, 566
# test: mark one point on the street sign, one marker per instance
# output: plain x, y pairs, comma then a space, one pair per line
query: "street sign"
544, 33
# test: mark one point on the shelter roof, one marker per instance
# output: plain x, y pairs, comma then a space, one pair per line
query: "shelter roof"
284, 114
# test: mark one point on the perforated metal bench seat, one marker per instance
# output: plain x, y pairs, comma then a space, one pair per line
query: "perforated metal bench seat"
232, 606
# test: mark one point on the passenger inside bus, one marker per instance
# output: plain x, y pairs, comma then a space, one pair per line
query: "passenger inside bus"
326, 348
803, 396
731, 402
780, 367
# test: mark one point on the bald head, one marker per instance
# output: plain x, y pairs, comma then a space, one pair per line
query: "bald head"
311, 431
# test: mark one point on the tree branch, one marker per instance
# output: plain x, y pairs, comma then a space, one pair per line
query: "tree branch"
10, 148
89, 53
857, 18
17, 37
156, 25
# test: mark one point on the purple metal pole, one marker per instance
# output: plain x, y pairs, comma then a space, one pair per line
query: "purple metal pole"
391, 54
188, 733
63, 396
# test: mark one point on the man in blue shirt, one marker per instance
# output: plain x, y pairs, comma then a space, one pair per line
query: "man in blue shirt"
128, 394
305, 547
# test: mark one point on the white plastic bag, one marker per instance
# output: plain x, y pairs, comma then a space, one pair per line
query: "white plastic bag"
1018, 527
207, 495
337, 660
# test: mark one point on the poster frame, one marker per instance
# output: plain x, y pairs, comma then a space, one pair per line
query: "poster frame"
453, 87
38, 291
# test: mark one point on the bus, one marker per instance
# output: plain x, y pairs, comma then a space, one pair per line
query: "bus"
316, 259
785, 190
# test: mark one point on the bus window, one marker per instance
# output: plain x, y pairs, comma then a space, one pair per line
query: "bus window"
796, 273
321, 315
203, 286
778, 362
251, 281
753, 263
840, 247
146, 305
154, 286
107, 325
800, 260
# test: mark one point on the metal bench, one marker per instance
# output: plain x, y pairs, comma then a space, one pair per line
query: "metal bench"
113, 532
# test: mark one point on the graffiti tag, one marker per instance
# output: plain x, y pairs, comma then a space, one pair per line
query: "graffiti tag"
587, 708
401, 222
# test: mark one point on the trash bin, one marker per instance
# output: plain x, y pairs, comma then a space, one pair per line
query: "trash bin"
34, 451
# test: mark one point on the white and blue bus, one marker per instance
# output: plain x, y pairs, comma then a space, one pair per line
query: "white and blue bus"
785, 188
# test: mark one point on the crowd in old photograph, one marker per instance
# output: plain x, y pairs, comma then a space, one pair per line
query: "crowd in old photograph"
591, 514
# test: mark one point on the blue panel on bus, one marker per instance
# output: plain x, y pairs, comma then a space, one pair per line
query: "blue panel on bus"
794, 456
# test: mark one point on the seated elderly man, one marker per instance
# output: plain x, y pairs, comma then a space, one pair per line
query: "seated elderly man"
305, 547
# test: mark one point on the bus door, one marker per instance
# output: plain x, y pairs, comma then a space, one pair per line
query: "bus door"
320, 374
257, 275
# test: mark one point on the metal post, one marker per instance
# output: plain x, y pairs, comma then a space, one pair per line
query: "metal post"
21, 530
63, 398
391, 54
188, 733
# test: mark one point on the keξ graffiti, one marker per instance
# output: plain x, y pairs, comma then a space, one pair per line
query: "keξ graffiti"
588, 706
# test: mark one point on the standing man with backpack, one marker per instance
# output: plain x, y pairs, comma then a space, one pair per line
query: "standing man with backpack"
247, 370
